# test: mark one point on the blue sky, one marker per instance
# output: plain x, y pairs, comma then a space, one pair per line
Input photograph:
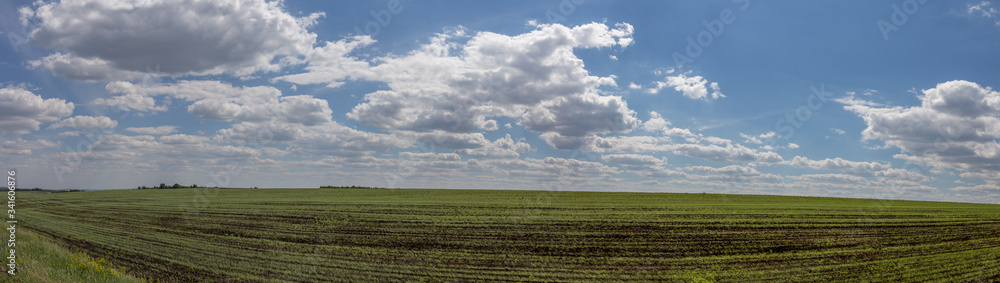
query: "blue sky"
875, 99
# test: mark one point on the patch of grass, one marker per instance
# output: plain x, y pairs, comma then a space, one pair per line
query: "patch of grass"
39, 260
207, 234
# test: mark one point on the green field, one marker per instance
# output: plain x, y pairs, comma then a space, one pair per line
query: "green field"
278, 235
51, 263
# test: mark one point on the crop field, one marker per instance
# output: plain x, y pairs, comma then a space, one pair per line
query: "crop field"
308, 235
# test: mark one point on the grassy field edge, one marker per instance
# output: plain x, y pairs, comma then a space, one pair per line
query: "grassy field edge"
42, 260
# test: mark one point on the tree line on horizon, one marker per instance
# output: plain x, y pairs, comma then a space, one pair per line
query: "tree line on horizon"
165, 186
195, 186
348, 187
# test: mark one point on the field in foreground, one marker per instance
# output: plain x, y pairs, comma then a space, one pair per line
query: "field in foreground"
237, 235
48, 262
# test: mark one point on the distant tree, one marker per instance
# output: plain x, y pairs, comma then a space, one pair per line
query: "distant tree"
176, 186
163, 186
194, 185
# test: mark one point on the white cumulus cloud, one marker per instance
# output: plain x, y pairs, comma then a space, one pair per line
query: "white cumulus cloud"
120, 39
657, 124
956, 126
695, 87
533, 77
86, 123
160, 130
22, 111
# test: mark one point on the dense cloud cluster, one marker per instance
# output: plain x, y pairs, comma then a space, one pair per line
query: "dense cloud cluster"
22, 111
241, 37
533, 77
956, 126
